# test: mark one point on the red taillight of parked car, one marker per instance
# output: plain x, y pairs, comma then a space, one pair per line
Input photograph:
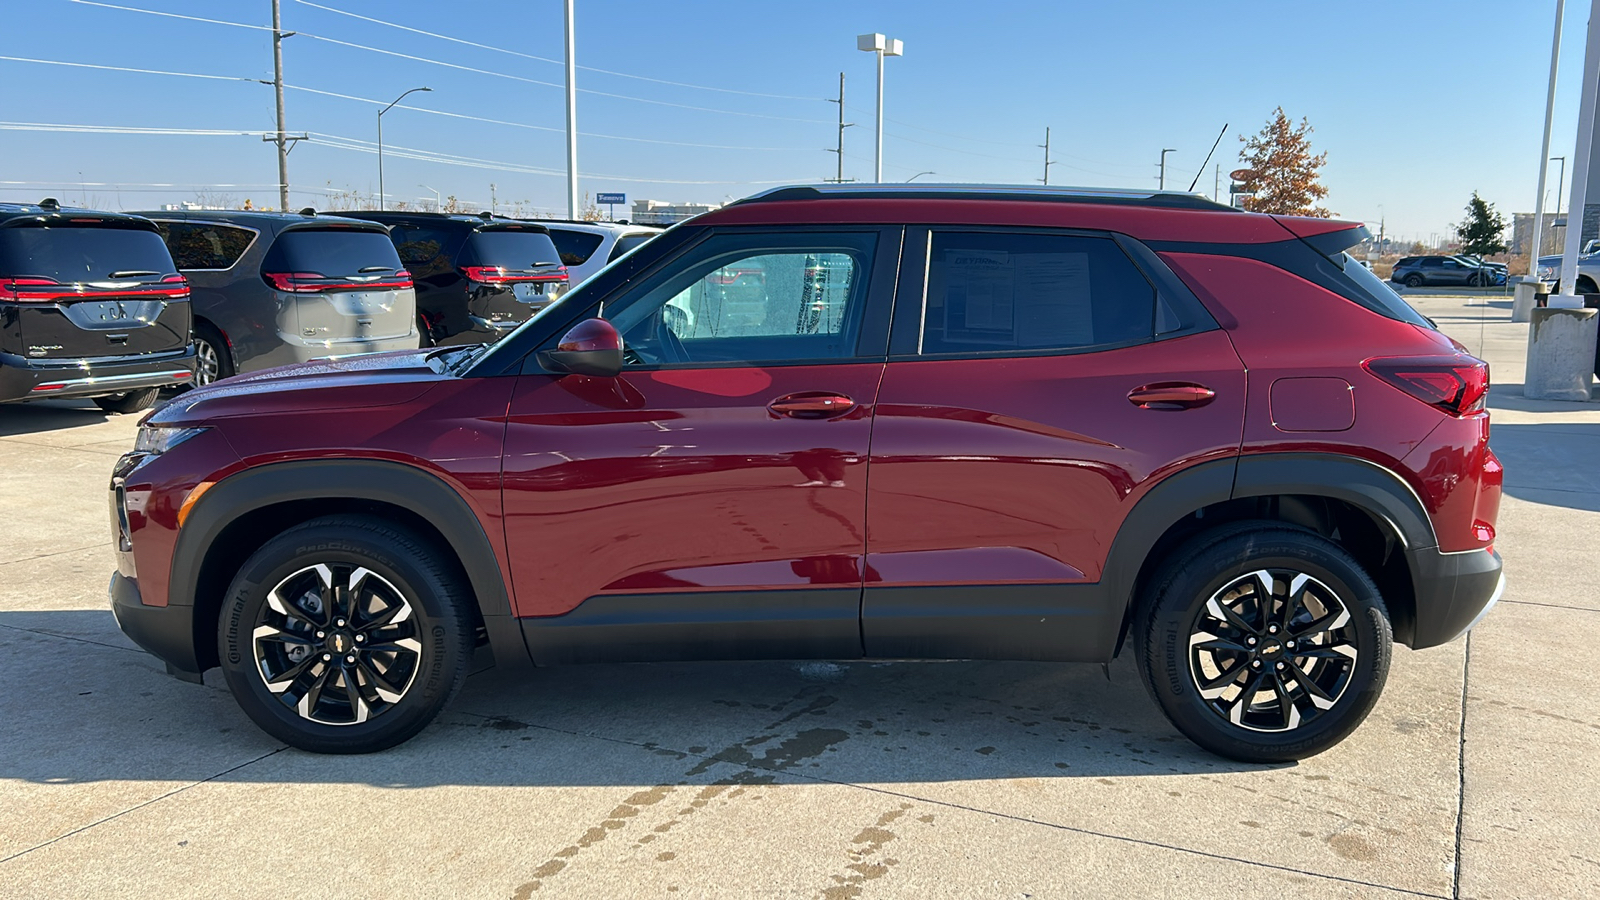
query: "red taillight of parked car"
729, 276
37, 290
48, 290
316, 283
499, 275
1458, 385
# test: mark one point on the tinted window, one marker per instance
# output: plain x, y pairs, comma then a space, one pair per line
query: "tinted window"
1378, 291
197, 245
1028, 292
425, 248
70, 254
627, 242
750, 298
575, 247
330, 252
1432, 263
510, 248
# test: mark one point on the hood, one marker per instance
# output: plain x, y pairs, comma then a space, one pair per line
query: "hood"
351, 382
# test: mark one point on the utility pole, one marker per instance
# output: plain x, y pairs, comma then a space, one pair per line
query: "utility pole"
494, 205
1216, 184
282, 139
572, 118
1047, 160
838, 177
1162, 181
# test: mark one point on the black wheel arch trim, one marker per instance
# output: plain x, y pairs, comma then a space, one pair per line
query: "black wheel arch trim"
1380, 491
398, 484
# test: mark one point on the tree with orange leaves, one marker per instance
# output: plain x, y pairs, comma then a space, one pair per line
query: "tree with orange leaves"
1283, 171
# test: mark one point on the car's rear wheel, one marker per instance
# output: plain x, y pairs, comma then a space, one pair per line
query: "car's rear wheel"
212, 361
1263, 642
345, 635
129, 402
1474, 280
1413, 280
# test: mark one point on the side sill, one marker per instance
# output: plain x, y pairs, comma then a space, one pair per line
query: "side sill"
1045, 622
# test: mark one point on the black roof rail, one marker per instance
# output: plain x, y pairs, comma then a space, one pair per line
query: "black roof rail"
925, 191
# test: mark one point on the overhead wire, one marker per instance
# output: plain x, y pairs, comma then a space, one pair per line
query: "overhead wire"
546, 59
78, 65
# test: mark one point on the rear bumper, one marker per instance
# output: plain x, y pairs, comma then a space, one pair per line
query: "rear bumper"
301, 350
166, 632
1454, 591
22, 378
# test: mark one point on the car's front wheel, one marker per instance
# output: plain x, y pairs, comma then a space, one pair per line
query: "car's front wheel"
345, 635
1414, 280
1263, 642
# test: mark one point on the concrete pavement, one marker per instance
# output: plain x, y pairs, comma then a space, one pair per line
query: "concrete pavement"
1472, 777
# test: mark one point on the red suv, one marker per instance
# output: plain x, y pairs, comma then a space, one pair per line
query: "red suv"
968, 423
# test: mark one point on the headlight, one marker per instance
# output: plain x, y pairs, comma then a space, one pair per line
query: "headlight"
158, 439
1546, 273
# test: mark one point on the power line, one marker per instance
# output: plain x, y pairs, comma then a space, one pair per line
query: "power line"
118, 129
545, 59
448, 65
78, 65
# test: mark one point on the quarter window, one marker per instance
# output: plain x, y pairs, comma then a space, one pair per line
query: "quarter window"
575, 247
199, 245
1006, 293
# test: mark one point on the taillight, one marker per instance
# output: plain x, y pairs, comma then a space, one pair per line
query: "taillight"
729, 276
499, 275
296, 282
179, 286
30, 289
1458, 385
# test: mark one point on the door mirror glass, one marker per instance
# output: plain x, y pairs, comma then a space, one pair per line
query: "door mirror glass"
593, 347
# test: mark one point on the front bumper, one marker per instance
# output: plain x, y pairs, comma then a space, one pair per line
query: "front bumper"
166, 632
22, 378
1453, 591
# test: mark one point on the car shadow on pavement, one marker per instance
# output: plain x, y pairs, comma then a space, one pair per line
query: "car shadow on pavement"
1551, 462
31, 418
123, 718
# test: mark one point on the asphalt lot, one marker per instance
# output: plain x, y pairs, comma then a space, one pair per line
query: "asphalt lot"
1474, 776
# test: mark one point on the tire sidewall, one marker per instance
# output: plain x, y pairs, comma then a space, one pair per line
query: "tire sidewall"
441, 665
1179, 607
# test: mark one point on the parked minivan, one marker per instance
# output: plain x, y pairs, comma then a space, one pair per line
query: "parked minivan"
91, 306
273, 288
588, 247
477, 277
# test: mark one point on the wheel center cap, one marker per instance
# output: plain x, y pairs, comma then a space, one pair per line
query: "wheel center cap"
1271, 648
339, 642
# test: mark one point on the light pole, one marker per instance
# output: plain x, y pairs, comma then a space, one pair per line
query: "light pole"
919, 175
1163, 178
436, 203
877, 43
572, 116
380, 138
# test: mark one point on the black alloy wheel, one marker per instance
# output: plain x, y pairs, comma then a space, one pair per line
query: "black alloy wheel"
212, 359
1414, 280
345, 635
1264, 642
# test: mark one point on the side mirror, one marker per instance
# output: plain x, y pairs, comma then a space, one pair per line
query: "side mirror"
592, 347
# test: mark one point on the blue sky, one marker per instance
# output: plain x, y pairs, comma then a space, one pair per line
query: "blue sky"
1417, 103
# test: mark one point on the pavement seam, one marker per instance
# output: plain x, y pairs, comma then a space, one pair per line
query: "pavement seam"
84, 448
117, 815
1548, 605
1461, 770
95, 546
987, 812
68, 637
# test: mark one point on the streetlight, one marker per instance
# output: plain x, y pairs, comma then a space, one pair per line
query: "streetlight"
436, 203
1163, 180
877, 43
380, 138
919, 175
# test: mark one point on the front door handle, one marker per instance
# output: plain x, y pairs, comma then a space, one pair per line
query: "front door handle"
1171, 395
812, 405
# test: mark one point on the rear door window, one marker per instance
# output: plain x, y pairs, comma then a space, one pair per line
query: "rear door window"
205, 245
511, 248
575, 247
331, 252
1001, 293
70, 254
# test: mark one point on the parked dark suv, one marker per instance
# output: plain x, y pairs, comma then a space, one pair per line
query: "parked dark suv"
477, 277
1430, 271
1093, 421
91, 306
274, 288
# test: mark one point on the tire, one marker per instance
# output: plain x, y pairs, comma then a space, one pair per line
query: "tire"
1414, 280
212, 359
425, 337
1585, 285
1473, 281
404, 664
1188, 675
130, 402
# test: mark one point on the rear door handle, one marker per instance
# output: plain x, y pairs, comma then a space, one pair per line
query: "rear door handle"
811, 405
1171, 395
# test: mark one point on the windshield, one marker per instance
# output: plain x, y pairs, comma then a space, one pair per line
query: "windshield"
511, 249
68, 254
331, 252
